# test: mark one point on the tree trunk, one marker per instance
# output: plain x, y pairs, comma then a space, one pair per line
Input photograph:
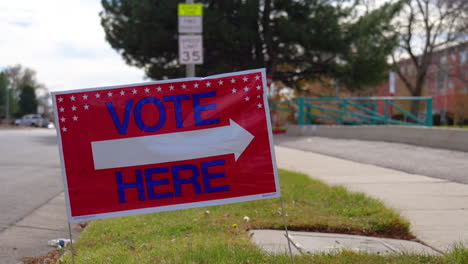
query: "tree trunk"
417, 92
415, 107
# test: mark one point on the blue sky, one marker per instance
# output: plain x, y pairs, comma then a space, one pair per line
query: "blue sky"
64, 42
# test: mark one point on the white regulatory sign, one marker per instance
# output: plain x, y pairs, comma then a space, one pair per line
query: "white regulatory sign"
190, 49
190, 24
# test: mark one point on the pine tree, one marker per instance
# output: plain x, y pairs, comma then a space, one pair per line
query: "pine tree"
294, 40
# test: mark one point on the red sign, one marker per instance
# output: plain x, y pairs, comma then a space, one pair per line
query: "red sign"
165, 145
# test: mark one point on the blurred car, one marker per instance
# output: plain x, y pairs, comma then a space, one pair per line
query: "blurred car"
32, 120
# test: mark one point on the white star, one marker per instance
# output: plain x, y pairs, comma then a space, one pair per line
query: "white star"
196, 85
258, 87
109, 94
146, 90
246, 89
72, 98
75, 118
245, 79
171, 87
220, 82
60, 99
159, 88
63, 119
257, 77
183, 86
64, 129
233, 81
247, 99
234, 90
86, 107
62, 109
259, 105
73, 108
258, 96
85, 97
134, 91
122, 92
97, 95
208, 84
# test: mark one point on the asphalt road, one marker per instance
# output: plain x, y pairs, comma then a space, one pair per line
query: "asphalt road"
29, 172
437, 163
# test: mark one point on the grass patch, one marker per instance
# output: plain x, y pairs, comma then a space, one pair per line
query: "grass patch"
460, 126
195, 236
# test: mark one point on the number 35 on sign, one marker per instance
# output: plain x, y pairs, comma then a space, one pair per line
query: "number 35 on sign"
190, 49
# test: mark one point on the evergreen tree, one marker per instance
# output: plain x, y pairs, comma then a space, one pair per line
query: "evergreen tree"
3, 94
295, 40
27, 100
20, 78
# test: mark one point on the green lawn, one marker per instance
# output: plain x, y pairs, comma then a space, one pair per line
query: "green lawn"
465, 127
220, 234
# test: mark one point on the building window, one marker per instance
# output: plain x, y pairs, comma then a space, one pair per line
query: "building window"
450, 83
443, 60
441, 77
463, 57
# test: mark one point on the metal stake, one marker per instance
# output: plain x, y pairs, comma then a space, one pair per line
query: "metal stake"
286, 229
71, 243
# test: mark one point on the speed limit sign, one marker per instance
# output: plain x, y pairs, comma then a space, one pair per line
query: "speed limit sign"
190, 49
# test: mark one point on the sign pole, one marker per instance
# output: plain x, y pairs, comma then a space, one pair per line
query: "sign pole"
286, 229
190, 28
189, 68
71, 243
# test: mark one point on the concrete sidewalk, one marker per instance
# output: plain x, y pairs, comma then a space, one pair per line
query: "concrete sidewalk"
274, 241
28, 237
437, 209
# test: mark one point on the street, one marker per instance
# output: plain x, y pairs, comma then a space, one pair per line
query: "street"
437, 163
29, 172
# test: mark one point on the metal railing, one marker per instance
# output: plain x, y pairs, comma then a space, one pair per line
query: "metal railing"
358, 110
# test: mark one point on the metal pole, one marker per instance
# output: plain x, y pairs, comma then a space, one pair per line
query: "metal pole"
429, 112
286, 229
7, 104
189, 68
71, 243
300, 102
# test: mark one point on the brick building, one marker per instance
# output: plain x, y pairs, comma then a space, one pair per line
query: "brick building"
446, 82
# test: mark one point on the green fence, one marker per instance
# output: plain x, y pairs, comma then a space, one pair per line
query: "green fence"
358, 110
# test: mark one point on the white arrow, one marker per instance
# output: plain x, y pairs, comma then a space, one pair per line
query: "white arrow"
171, 147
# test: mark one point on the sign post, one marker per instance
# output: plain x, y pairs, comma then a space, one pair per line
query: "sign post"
165, 145
190, 21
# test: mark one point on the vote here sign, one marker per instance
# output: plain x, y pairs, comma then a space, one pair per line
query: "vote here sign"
165, 145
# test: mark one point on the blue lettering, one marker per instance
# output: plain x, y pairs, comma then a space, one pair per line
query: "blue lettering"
121, 186
177, 107
121, 126
162, 114
198, 108
208, 176
192, 180
150, 183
